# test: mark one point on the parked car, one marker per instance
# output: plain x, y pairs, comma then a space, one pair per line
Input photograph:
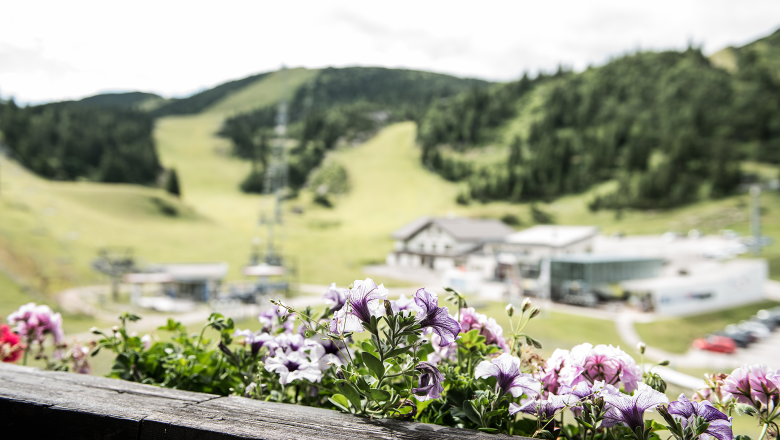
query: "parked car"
764, 320
772, 314
742, 340
760, 330
719, 344
733, 328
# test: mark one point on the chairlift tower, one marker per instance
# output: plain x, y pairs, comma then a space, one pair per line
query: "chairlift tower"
276, 175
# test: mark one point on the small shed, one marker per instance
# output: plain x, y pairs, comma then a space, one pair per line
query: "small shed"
195, 281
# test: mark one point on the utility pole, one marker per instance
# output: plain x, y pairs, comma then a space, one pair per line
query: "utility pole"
755, 218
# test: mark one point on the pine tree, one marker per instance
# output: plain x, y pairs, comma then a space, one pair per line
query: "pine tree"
172, 183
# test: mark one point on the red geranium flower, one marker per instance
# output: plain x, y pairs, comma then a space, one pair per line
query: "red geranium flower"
11, 347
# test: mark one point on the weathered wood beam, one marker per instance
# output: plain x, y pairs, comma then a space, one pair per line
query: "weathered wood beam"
55, 405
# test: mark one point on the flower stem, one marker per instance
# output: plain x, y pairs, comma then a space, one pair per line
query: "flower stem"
764, 431
200, 338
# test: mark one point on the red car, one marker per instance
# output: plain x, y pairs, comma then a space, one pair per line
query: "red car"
719, 344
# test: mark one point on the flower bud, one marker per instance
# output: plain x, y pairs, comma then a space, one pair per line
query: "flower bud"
510, 310
115, 329
526, 304
664, 363
535, 312
641, 346
388, 308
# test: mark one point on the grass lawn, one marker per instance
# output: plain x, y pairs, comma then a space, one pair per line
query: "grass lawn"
676, 335
11, 297
559, 330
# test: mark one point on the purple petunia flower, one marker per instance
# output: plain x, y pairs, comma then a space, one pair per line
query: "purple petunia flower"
367, 299
440, 353
293, 365
429, 386
488, 327
276, 318
345, 322
765, 383
337, 349
405, 304
335, 298
544, 409
552, 368
506, 370
720, 424
256, 341
318, 353
583, 390
290, 341
34, 322
752, 384
600, 363
435, 317
364, 300
630, 410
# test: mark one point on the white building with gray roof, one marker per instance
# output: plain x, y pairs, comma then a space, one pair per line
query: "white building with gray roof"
443, 243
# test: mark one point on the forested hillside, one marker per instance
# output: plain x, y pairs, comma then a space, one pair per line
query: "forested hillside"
200, 101
70, 141
129, 100
670, 127
758, 92
345, 105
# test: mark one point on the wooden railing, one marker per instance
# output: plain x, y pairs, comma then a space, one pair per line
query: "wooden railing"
36, 404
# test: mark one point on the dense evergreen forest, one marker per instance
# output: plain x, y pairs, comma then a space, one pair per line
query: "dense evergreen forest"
670, 127
339, 105
69, 141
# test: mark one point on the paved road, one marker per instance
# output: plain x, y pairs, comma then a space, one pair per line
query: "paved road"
76, 301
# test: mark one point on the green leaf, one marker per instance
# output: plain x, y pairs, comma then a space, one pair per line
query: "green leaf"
583, 422
543, 433
655, 425
398, 351
350, 392
471, 412
374, 365
488, 430
340, 401
497, 412
367, 346
405, 410
379, 395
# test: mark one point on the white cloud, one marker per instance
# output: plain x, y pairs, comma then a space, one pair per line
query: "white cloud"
62, 50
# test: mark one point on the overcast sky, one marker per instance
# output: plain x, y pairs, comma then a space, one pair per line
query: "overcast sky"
70, 49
